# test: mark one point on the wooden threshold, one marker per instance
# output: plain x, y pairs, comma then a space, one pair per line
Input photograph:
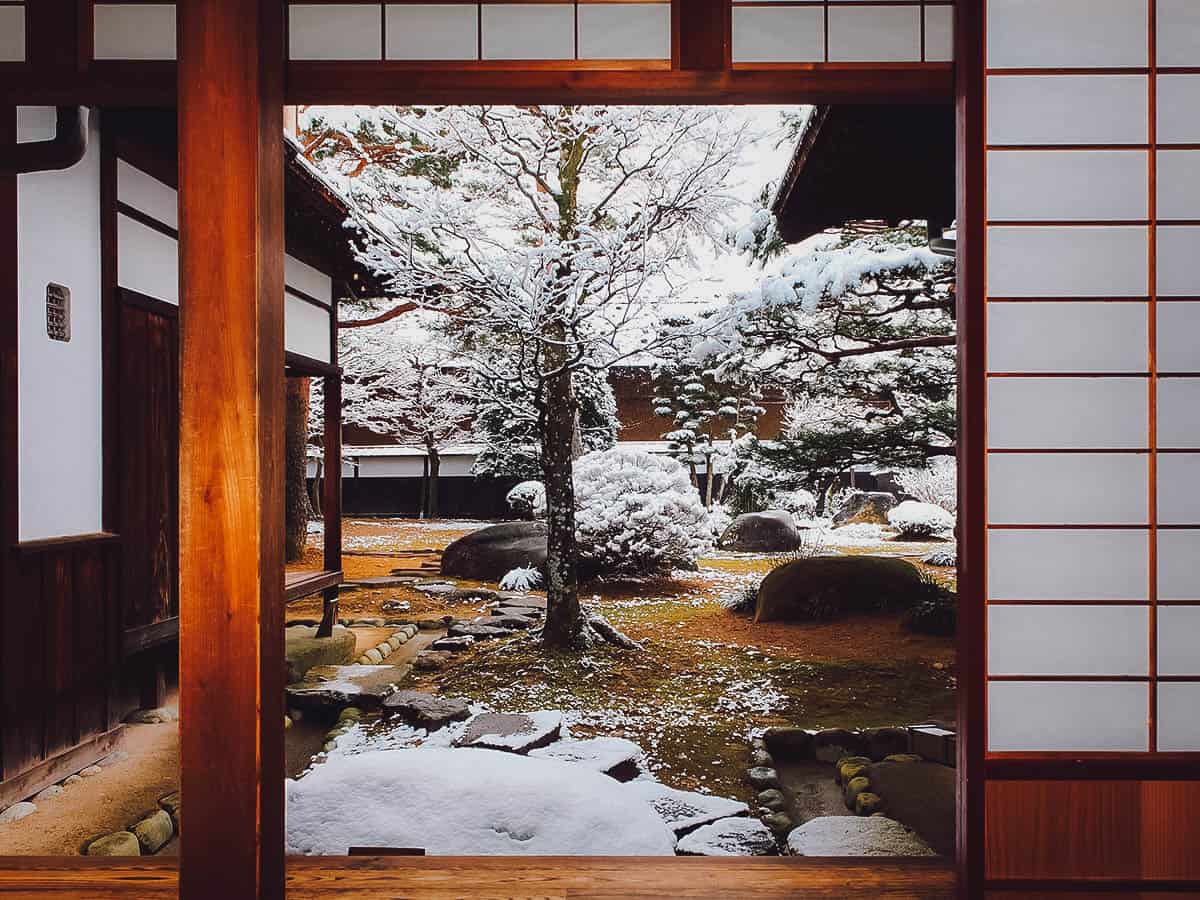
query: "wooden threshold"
445, 877
54, 770
298, 585
136, 640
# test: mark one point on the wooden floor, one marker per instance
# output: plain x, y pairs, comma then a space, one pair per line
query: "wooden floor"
440, 878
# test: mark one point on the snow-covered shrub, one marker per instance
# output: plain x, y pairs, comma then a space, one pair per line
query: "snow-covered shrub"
943, 556
528, 500
800, 503
636, 513
719, 519
743, 600
523, 578
914, 519
937, 483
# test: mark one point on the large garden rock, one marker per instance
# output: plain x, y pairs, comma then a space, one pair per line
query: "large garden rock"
685, 810
119, 843
832, 587
729, 837
304, 650
514, 732
854, 836
866, 506
491, 553
333, 687
428, 711
762, 532
614, 756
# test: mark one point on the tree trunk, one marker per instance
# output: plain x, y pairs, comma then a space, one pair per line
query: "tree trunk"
296, 469
435, 464
423, 503
318, 489
708, 486
564, 622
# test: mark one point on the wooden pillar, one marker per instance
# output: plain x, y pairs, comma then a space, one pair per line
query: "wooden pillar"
331, 501
231, 447
702, 34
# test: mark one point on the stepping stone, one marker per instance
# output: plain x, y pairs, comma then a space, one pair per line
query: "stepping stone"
466, 595
615, 757
432, 660
685, 810
529, 601
119, 843
396, 606
304, 650
17, 812
513, 732
529, 612
519, 623
429, 711
763, 777
854, 836
453, 644
367, 623
729, 837
334, 687
383, 581
437, 588
479, 632
431, 624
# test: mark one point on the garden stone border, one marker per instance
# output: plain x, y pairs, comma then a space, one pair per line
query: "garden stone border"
381, 651
145, 837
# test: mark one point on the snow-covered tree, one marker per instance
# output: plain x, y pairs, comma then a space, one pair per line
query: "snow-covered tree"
858, 328
936, 483
559, 229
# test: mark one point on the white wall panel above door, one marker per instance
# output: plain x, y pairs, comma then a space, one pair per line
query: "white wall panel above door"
147, 261
780, 35
874, 34
1071, 716
144, 31
1068, 489
533, 31
939, 33
12, 34
338, 31
433, 31
625, 31
147, 194
1066, 34
1067, 109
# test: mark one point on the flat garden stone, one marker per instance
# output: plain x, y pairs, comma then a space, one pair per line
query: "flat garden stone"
519, 623
513, 732
528, 612
855, 836
454, 644
334, 687
429, 711
154, 831
468, 595
119, 843
685, 810
432, 660
729, 837
615, 757
383, 581
789, 743
763, 777
479, 632
17, 812
304, 650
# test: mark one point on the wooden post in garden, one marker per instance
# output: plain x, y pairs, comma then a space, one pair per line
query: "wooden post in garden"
231, 447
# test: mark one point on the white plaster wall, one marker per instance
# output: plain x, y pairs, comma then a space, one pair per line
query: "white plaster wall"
59, 384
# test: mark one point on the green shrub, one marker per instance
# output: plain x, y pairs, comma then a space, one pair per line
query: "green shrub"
935, 612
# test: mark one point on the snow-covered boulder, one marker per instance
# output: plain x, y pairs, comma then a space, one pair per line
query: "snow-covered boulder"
613, 756
856, 836
468, 803
491, 553
729, 837
914, 519
637, 513
514, 732
762, 532
824, 588
864, 506
528, 500
685, 810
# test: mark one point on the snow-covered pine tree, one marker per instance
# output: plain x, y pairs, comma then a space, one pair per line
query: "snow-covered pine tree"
561, 229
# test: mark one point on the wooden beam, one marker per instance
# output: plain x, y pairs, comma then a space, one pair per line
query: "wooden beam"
703, 34
231, 460
59, 767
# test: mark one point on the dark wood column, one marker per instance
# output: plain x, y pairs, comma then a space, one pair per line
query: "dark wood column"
231, 454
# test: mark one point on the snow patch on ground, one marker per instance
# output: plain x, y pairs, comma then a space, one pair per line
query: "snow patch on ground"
468, 802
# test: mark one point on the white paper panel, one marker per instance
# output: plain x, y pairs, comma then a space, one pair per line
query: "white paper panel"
1176, 335
12, 34
939, 33
307, 280
1068, 337
147, 194
791, 34
1178, 42
537, 31
134, 31
1023, 34
1079, 716
1179, 489
1067, 109
875, 34
432, 31
337, 31
1092, 565
1061, 185
36, 123
1068, 413
1178, 721
625, 31
1177, 248
1179, 412
1179, 641
147, 261
1068, 640
305, 328
1070, 261
1178, 573
1178, 183
1178, 102
1068, 489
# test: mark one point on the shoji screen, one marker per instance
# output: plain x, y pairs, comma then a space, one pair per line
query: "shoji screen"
841, 31
615, 31
1093, 360
12, 31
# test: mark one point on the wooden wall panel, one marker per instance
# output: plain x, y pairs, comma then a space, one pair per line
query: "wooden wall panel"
1171, 830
